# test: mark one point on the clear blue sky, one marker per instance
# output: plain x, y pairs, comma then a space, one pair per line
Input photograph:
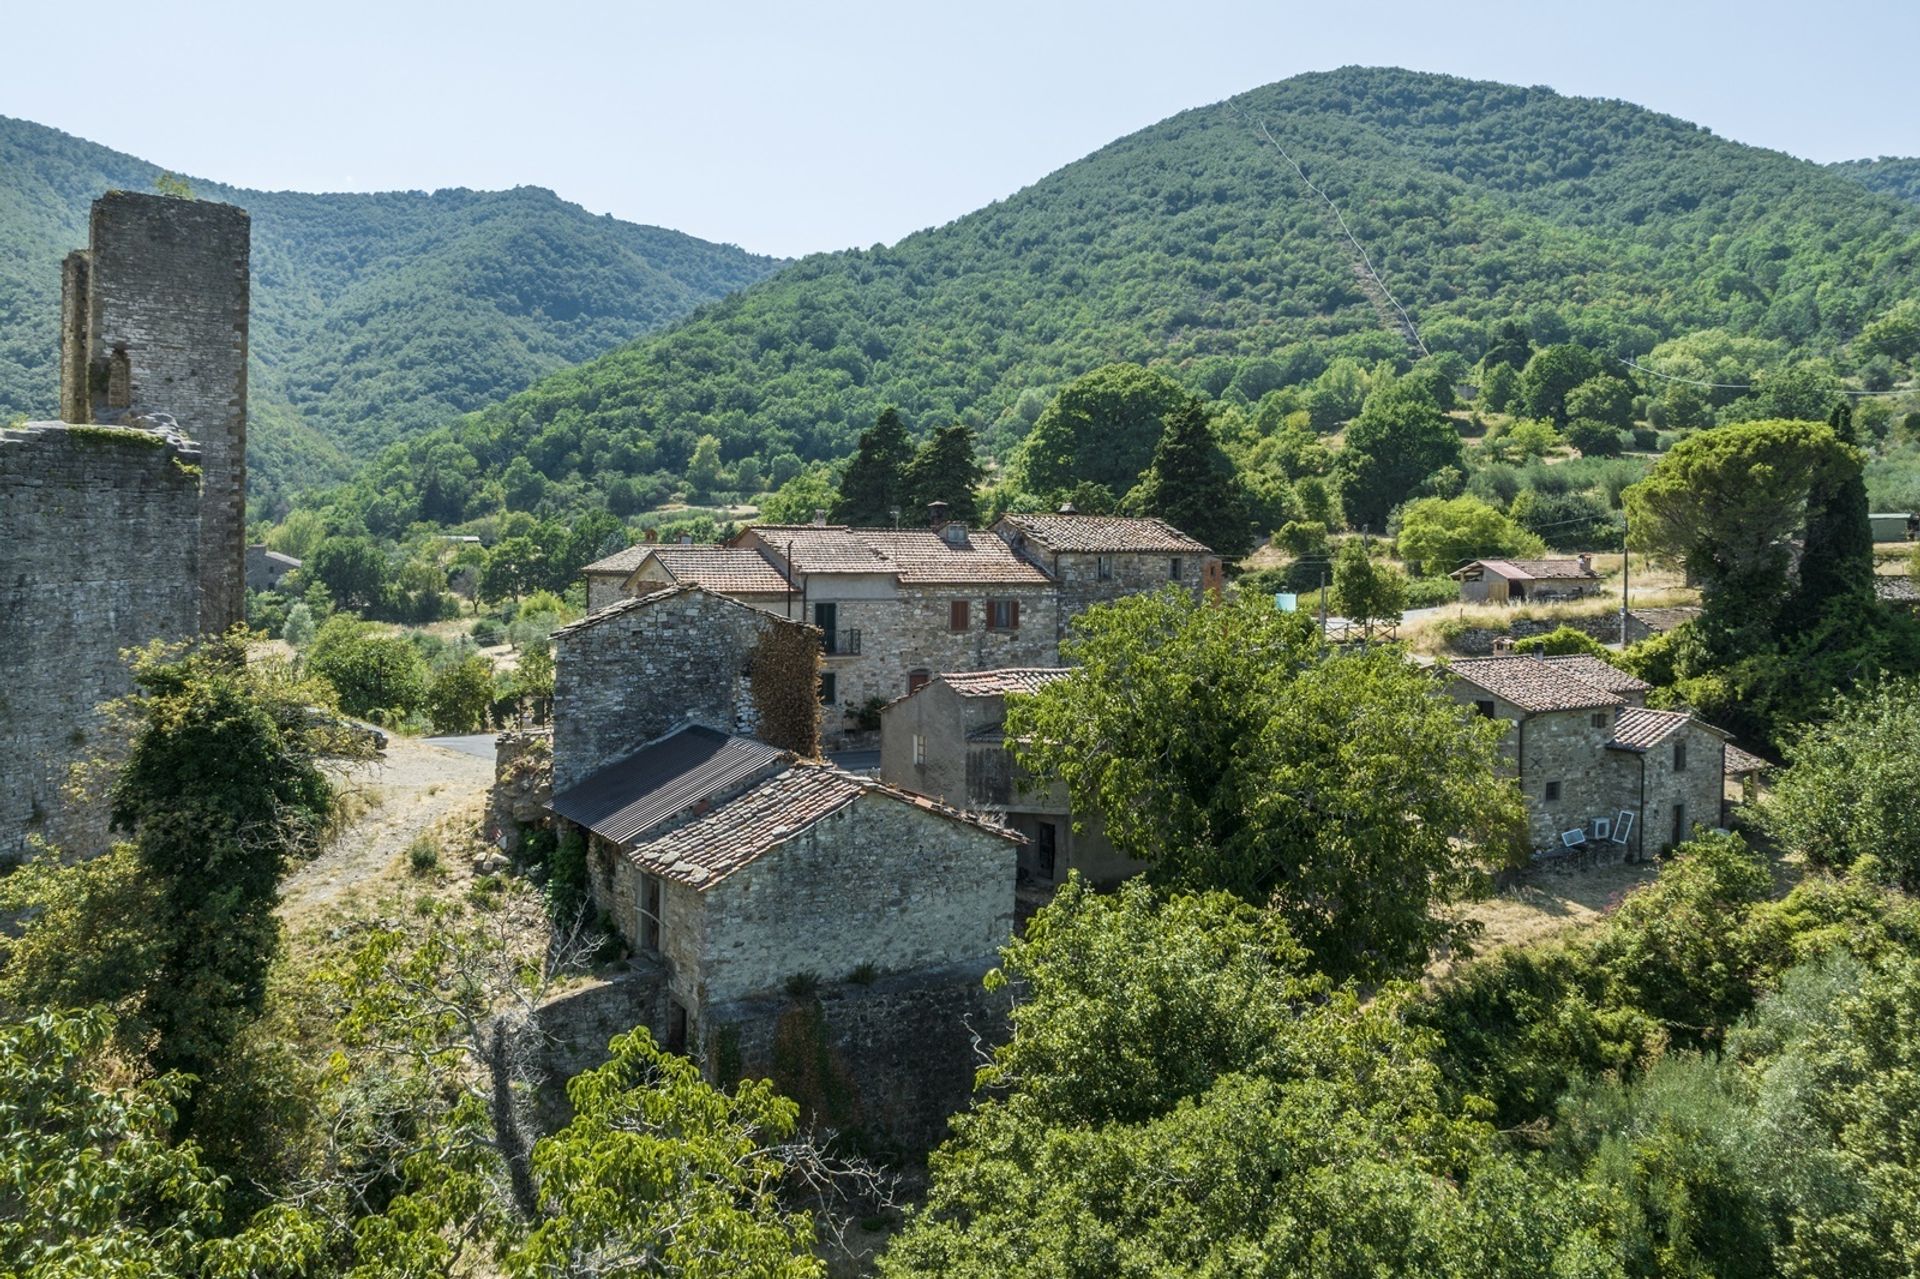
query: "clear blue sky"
792, 127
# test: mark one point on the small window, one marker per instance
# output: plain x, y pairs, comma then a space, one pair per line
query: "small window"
1599, 719
959, 615
829, 689
676, 1026
1553, 792
917, 680
919, 750
1103, 567
1679, 757
1174, 569
1003, 615
650, 914
1485, 707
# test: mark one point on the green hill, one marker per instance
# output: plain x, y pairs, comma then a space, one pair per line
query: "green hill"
1888, 175
1195, 245
374, 315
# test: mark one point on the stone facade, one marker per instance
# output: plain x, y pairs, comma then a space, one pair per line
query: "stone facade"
948, 746
629, 674
154, 319
99, 552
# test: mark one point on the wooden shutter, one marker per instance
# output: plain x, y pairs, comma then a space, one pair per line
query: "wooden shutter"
959, 615
1013, 615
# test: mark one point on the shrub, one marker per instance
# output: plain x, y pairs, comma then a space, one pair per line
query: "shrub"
803, 985
864, 975
567, 878
423, 854
1431, 592
1564, 642
1594, 439
488, 632
369, 670
461, 695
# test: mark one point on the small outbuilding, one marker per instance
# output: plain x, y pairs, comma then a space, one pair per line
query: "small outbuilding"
1505, 581
1892, 526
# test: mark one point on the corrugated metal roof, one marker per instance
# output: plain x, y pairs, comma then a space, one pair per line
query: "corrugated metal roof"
663, 779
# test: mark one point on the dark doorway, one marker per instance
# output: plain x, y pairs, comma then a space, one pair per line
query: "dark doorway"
650, 914
1679, 823
1046, 844
676, 1027
827, 618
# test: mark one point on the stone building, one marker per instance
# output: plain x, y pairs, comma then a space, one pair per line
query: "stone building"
99, 552
896, 606
1095, 559
947, 741
267, 569
125, 523
1589, 757
1514, 581
634, 671
153, 319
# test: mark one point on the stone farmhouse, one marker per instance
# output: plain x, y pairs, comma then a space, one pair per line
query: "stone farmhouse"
123, 523
947, 741
896, 606
266, 569
740, 868
1599, 770
1515, 581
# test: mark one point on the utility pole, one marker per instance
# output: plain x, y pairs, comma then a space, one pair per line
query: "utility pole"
1323, 603
1625, 561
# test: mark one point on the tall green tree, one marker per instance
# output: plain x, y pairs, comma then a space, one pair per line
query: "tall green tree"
1224, 747
354, 571
1511, 347
874, 485
944, 469
1441, 534
1400, 438
1191, 484
1101, 429
1836, 564
1365, 590
1551, 376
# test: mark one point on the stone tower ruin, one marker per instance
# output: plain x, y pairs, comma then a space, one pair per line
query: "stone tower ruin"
153, 320
116, 529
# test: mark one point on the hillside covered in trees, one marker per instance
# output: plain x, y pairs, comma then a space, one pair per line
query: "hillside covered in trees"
1889, 175
1195, 246
373, 315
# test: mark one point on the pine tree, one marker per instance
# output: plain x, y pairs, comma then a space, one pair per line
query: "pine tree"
1836, 568
1191, 484
873, 487
944, 470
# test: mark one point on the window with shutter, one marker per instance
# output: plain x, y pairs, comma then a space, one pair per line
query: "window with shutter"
959, 615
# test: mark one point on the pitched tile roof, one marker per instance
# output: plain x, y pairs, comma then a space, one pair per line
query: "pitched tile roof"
744, 828
622, 561
1532, 684
1011, 679
633, 603
913, 556
726, 569
1532, 570
662, 780
1895, 590
1105, 534
1599, 673
1739, 762
1638, 728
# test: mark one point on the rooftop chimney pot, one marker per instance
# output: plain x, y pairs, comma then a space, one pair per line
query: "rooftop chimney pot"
820, 517
937, 514
651, 536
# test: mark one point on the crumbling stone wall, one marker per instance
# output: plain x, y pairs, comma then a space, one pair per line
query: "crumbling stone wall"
99, 552
153, 319
1478, 641
636, 670
522, 786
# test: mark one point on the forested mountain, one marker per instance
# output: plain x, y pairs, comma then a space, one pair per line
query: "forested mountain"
1888, 175
1194, 244
373, 315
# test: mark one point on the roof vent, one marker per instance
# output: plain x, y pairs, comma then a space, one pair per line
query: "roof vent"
1066, 508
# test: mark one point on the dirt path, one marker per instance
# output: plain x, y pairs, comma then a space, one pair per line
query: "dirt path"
415, 789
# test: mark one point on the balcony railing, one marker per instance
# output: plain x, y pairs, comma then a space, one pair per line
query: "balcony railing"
842, 643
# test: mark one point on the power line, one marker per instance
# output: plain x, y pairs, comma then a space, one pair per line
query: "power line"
1412, 328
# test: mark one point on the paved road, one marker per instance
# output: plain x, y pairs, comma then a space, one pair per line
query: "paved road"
480, 744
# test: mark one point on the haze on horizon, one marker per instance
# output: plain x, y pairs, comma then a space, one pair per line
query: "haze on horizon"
791, 130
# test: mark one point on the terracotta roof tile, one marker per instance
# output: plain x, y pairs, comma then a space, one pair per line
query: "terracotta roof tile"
746, 827
622, 561
1011, 679
726, 569
1532, 684
1739, 762
920, 556
1105, 534
1895, 590
620, 608
1638, 728
1599, 673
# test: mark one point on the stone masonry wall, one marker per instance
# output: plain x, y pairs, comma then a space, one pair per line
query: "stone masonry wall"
166, 304
1605, 627
628, 675
1698, 788
99, 546
883, 882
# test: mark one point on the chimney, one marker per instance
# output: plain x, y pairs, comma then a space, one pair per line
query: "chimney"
1066, 508
937, 514
1540, 654
651, 536
819, 517
1586, 562
686, 539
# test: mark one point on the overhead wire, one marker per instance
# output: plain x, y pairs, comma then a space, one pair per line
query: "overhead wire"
1737, 386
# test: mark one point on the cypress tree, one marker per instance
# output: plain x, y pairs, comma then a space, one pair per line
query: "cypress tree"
873, 485
1836, 566
944, 470
1191, 484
